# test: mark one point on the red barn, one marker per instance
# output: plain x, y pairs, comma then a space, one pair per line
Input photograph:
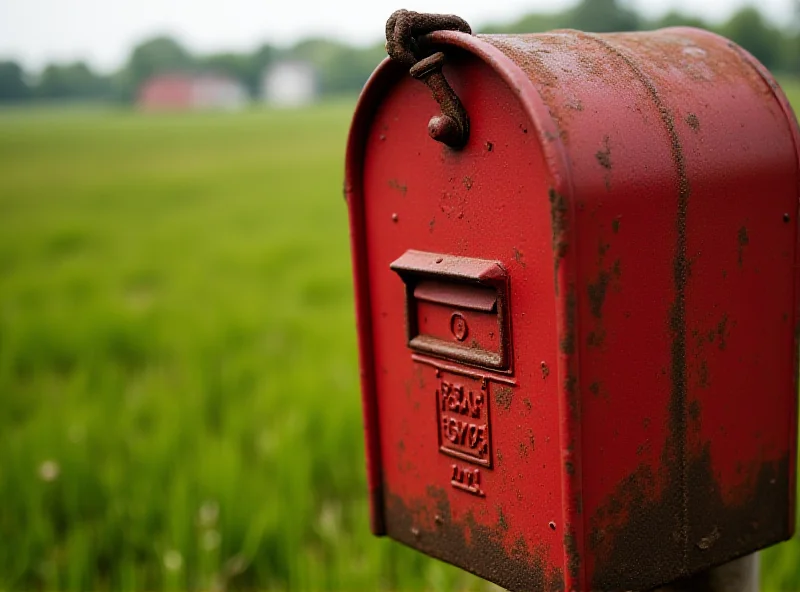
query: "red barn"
181, 92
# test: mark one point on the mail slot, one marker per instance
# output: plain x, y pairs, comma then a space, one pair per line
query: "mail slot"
578, 295
456, 307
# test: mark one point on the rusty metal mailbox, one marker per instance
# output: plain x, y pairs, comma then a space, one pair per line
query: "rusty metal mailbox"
579, 331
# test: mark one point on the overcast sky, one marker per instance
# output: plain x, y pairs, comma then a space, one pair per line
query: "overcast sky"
103, 31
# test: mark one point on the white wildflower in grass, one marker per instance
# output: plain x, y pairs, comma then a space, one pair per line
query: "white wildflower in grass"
211, 540
49, 470
173, 560
235, 565
330, 518
208, 514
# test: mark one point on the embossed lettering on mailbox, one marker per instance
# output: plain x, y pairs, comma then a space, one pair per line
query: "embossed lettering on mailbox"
463, 418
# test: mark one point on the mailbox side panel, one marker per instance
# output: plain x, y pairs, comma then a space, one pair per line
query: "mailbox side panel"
735, 248
683, 163
495, 509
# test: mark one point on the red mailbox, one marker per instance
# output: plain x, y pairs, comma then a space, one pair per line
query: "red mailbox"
579, 331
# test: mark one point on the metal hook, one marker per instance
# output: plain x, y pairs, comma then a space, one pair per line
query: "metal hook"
451, 127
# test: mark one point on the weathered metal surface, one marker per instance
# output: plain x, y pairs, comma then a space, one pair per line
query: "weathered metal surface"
640, 193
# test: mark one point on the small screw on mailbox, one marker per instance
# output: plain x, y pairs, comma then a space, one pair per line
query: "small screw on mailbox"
579, 319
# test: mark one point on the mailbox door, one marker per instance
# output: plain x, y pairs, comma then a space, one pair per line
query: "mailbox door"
461, 337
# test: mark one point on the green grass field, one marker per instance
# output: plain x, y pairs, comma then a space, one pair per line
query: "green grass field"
180, 403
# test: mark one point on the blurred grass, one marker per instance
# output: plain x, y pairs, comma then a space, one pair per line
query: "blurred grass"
178, 375
177, 359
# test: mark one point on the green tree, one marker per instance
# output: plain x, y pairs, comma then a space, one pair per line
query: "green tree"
602, 16
342, 68
531, 23
231, 64
158, 55
678, 19
72, 81
749, 29
256, 64
12, 83
247, 68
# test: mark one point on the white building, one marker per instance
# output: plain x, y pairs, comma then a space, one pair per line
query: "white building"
289, 84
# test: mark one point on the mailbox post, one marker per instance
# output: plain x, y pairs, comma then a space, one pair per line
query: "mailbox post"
577, 287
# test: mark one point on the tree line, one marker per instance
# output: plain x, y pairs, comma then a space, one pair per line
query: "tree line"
343, 68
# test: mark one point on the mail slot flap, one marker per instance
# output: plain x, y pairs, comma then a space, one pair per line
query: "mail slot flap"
465, 268
459, 295
456, 308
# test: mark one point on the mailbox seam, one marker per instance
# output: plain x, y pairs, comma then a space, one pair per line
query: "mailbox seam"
678, 397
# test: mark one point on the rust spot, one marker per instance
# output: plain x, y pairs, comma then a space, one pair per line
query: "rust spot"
545, 370
615, 225
501, 519
518, 257
573, 557
558, 222
594, 388
693, 121
467, 181
527, 402
431, 224
596, 338
480, 549
503, 397
523, 450
570, 386
722, 332
743, 241
567, 343
645, 512
694, 410
703, 381
604, 156
489, 146
398, 186
569, 468
616, 269
597, 293
531, 439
